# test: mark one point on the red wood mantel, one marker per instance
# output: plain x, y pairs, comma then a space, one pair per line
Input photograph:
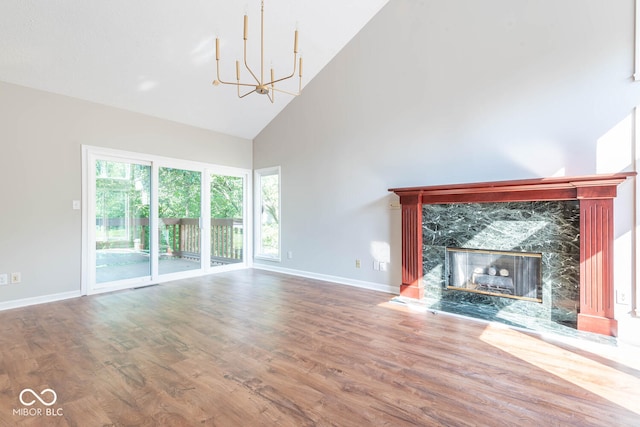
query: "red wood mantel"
595, 194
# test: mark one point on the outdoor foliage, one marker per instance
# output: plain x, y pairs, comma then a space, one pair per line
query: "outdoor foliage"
123, 193
178, 193
226, 196
270, 220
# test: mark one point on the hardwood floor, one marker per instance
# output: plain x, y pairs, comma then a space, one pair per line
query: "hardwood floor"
254, 348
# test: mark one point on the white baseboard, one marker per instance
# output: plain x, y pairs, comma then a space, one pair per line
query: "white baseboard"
306, 274
38, 300
328, 278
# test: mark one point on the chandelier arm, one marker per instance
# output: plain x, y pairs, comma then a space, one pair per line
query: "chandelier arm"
241, 84
285, 91
247, 65
230, 83
279, 80
218, 75
237, 84
248, 93
295, 62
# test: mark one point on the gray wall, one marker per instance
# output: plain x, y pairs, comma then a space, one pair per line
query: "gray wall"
40, 174
438, 92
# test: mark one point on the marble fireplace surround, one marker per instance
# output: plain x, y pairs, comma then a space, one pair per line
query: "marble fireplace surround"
594, 193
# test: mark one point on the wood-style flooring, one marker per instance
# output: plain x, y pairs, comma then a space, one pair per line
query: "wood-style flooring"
255, 348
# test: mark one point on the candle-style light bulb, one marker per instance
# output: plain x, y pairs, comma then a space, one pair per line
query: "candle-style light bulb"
246, 26
295, 42
238, 70
217, 49
300, 67
272, 77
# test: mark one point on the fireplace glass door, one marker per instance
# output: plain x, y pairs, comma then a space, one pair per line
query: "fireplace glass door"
497, 273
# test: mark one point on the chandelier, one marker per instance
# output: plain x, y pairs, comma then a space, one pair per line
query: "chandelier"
259, 84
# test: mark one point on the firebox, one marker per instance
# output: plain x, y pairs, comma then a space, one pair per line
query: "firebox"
497, 273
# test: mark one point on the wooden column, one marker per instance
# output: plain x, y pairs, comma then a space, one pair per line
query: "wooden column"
596, 266
412, 285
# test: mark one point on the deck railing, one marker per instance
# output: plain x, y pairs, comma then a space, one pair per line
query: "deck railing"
180, 237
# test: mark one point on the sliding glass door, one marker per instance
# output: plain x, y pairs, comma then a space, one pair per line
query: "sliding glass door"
227, 219
121, 209
179, 219
144, 220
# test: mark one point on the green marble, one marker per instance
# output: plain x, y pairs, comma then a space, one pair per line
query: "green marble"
549, 228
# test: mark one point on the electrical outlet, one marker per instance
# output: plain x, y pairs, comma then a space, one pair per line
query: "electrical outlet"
376, 265
383, 266
290, 255
4, 279
621, 297
357, 263
16, 278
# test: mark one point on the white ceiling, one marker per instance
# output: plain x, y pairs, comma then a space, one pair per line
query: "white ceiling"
157, 57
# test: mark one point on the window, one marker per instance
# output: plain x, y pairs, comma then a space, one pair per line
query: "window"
636, 76
268, 213
637, 28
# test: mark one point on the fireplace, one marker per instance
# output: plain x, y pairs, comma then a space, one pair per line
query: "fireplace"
502, 274
516, 258
592, 196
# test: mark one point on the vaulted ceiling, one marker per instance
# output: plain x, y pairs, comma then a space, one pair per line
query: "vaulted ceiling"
157, 57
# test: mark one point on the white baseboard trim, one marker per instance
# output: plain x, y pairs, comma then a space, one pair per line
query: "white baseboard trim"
8, 305
25, 302
328, 278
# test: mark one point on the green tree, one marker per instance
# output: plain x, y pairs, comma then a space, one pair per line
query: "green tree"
178, 193
226, 196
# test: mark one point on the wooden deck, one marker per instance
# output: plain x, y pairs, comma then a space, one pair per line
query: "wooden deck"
254, 348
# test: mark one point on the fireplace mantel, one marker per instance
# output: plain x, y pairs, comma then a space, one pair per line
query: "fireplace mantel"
595, 194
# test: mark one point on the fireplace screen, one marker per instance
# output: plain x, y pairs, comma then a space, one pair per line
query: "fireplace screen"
498, 273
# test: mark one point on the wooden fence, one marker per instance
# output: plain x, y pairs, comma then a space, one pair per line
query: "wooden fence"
180, 237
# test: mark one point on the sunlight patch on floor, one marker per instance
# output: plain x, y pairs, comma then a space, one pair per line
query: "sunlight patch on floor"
406, 308
609, 383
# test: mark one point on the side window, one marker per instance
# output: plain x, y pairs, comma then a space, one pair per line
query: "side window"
267, 215
637, 70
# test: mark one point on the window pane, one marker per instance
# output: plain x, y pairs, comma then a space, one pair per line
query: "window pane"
227, 226
122, 221
178, 220
269, 244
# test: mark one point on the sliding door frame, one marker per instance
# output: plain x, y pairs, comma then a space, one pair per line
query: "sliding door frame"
89, 156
